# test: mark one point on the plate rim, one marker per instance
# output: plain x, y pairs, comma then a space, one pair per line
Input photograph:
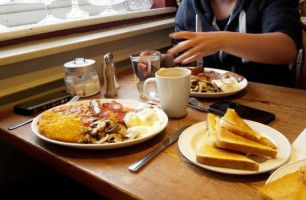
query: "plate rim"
244, 84
294, 165
138, 104
229, 170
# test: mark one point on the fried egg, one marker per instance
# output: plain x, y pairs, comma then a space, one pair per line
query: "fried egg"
142, 122
227, 84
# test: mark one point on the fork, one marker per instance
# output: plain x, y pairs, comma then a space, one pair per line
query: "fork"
199, 29
196, 104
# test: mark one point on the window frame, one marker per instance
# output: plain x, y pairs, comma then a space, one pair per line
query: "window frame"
16, 35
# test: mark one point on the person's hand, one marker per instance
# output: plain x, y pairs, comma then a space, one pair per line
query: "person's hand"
166, 60
196, 45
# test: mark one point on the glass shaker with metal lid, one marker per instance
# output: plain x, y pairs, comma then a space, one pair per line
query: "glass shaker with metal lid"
81, 77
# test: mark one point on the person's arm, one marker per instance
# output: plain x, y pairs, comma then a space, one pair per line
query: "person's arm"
269, 48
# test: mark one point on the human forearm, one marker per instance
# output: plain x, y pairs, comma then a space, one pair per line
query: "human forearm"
270, 48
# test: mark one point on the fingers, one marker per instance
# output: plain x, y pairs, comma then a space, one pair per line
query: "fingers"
195, 45
147, 53
182, 46
187, 57
182, 34
166, 60
189, 45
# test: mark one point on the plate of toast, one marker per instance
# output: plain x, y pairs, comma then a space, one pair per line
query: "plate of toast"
287, 182
232, 145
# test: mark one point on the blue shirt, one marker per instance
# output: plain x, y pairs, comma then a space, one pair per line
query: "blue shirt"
260, 16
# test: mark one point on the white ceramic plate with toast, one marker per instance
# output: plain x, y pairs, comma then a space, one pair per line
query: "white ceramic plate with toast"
163, 121
286, 169
242, 85
189, 139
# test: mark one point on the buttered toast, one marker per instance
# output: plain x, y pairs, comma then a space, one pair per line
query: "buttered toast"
220, 147
282, 189
211, 122
231, 141
301, 184
289, 187
232, 122
210, 155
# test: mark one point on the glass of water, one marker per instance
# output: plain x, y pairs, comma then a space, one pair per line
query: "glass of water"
144, 65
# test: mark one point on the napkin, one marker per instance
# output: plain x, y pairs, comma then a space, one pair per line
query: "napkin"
298, 150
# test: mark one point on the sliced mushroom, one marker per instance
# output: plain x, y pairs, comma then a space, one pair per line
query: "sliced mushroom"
132, 135
101, 126
114, 138
93, 132
101, 140
111, 129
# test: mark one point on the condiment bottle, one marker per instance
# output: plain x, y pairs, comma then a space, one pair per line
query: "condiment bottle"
81, 77
109, 77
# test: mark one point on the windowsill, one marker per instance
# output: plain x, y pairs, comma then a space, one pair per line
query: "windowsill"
39, 48
29, 30
36, 49
35, 67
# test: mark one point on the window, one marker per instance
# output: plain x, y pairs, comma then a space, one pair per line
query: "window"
32, 54
24, 18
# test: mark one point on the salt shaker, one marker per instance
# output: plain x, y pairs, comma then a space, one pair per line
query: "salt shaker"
109, 76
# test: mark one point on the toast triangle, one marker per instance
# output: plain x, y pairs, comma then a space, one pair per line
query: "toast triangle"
209, 155
232, 122
231, 141
301, 184
212, 121
283, 188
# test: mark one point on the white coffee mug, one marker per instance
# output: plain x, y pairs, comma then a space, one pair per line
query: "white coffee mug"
173, 90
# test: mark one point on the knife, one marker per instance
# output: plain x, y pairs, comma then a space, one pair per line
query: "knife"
165, 143
74, 99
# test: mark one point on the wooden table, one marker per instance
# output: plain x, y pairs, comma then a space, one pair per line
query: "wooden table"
169, 175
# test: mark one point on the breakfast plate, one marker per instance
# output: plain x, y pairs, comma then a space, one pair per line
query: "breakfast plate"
241, 85
156, 129
189, 141
286, 169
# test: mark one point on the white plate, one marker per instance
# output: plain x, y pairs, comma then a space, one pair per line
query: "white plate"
126, 103
286, 169
242, 84
188, 142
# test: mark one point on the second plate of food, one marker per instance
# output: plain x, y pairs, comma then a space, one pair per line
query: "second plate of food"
190, 138
230, 82
286, 169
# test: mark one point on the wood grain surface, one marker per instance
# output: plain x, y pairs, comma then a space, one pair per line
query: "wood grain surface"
169, 175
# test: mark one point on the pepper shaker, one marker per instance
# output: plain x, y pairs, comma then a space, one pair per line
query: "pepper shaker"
109, 76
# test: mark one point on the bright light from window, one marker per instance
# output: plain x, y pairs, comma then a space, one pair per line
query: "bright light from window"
20, 13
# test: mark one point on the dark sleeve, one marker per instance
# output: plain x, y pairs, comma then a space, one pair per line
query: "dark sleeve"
180, 20
283, 16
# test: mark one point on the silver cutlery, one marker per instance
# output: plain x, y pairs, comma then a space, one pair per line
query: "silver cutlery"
74, 99
172, 138
196, 104
199, 29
